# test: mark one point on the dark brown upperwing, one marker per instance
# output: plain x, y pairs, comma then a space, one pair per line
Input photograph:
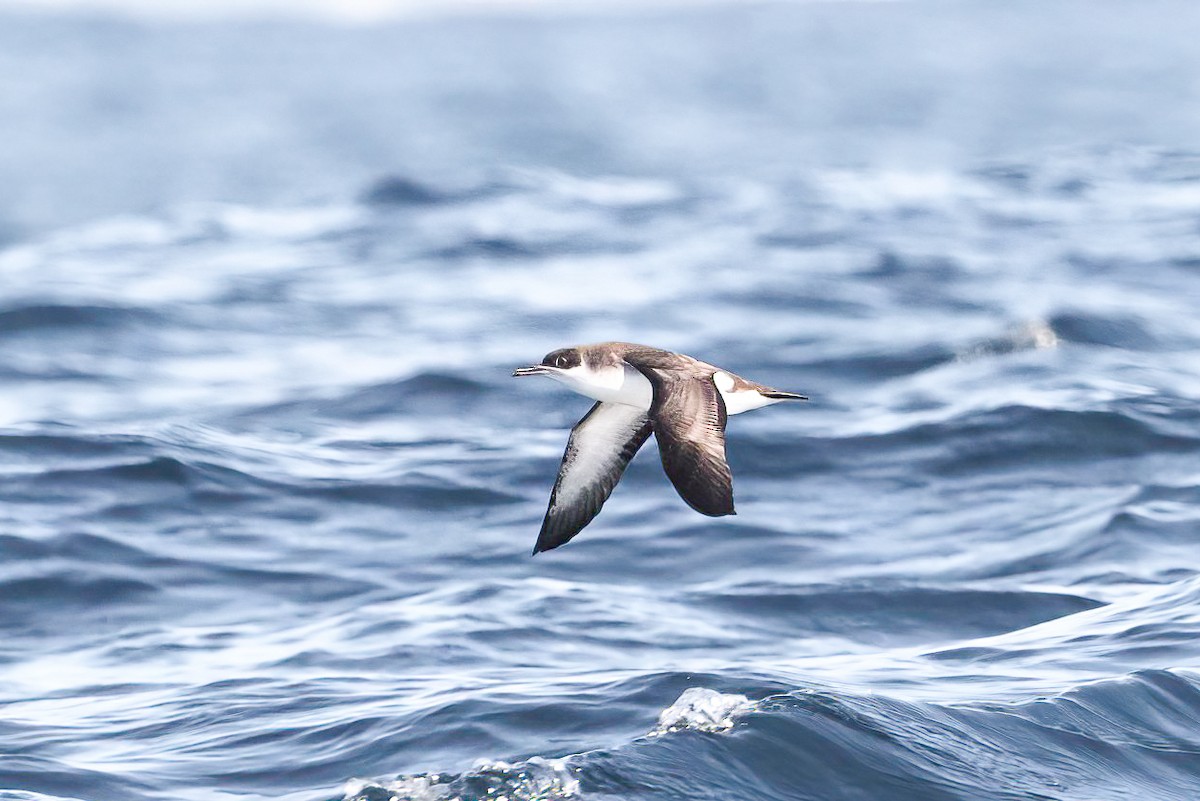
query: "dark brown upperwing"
688, 416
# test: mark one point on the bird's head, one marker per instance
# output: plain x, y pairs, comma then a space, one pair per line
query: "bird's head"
556, 362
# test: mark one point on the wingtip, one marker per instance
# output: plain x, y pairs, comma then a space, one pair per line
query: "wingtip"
711, 510
544, 544
545, 540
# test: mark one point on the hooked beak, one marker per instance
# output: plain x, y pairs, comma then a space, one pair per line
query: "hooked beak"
536, 369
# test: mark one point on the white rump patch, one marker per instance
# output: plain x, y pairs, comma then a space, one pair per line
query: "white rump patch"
739, 401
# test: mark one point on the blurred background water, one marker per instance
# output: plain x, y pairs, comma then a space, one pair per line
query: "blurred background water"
269, 492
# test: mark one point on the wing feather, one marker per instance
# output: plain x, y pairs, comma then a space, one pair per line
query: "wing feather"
688, 416
600, 447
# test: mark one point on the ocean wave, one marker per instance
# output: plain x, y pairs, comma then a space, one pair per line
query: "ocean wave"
46, 318
212, 470
885, 614
427, 393
535, 779
1097, 741
978, 440
43, 779
1158, 626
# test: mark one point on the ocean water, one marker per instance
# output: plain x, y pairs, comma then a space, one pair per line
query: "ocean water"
269, 490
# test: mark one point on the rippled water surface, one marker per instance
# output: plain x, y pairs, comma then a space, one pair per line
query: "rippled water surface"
269, 490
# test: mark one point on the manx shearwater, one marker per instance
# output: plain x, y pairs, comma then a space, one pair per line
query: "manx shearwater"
639, 390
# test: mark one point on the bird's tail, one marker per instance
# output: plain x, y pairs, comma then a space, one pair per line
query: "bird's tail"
776, 394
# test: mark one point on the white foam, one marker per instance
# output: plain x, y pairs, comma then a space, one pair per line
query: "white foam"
701, 709
537, 779
1034, 334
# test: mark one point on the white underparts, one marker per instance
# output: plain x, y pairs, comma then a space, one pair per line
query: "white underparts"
610, 384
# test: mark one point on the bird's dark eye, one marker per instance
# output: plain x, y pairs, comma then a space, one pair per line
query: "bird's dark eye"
563, 359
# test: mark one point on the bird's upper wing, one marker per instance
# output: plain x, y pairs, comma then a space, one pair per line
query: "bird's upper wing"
600, 447
688, 416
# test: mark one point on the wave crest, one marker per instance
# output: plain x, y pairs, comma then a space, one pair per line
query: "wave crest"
536, 779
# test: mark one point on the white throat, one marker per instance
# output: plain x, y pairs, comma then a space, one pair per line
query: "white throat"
616, 384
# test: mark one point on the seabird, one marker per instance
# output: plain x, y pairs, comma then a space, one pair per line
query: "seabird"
639, 390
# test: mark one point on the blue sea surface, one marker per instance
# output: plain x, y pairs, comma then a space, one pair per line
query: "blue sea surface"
268, 489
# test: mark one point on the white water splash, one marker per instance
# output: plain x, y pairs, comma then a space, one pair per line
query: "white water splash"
1032, 335
701, 709
537, 779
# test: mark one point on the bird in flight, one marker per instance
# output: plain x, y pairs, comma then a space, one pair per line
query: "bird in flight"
639, 390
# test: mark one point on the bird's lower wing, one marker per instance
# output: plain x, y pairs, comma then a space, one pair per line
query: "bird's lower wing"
689, 416
600, 447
